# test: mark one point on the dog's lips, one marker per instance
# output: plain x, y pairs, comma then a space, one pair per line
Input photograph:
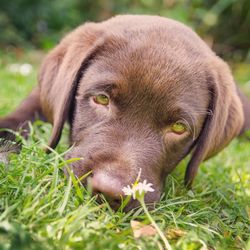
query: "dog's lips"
80, 167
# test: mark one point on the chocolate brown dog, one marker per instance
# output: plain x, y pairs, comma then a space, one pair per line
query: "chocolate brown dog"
139, 92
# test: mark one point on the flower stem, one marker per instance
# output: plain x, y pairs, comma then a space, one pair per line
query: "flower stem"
164, 239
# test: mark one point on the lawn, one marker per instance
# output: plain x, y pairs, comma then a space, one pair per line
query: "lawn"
41, 209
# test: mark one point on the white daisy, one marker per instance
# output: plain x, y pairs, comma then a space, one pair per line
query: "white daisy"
128, 190
144, 187
141, 188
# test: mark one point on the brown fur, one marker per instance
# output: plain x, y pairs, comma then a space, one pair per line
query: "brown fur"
156, 71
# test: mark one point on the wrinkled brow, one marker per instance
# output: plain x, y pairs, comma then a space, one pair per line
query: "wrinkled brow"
100, 87
176, 115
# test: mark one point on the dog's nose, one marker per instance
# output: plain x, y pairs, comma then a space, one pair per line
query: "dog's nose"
109, 186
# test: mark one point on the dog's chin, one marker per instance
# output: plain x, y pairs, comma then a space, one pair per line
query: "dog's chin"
150, 199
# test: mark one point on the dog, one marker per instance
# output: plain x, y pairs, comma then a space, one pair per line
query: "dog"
139, 93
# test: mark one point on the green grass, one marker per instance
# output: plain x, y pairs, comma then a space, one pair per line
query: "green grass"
41, 209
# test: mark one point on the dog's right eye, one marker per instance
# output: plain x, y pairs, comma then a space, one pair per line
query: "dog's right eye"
101, 99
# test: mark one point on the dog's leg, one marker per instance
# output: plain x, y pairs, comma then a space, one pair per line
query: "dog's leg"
246, 110
28, 110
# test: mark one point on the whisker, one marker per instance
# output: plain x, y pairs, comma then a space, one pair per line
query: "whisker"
205, 112
190, 127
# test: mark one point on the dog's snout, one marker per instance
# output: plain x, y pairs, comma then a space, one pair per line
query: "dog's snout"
109, 186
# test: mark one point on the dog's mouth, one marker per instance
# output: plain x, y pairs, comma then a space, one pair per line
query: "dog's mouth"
114, 203
106, 187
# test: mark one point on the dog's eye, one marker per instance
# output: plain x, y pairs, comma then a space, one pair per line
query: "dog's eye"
178, 128
101, 99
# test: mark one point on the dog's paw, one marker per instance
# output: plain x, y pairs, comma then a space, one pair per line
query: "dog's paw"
6, 148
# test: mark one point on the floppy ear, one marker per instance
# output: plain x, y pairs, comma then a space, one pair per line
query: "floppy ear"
223, 122
61, 73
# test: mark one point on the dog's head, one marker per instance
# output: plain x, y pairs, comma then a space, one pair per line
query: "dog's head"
140, 93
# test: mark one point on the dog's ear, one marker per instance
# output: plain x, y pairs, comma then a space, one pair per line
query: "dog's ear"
223, 122
61, 72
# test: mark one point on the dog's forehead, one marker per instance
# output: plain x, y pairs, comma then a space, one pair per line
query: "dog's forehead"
152, 68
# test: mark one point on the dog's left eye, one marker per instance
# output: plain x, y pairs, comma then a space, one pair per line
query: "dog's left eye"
101, 99
178, 128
